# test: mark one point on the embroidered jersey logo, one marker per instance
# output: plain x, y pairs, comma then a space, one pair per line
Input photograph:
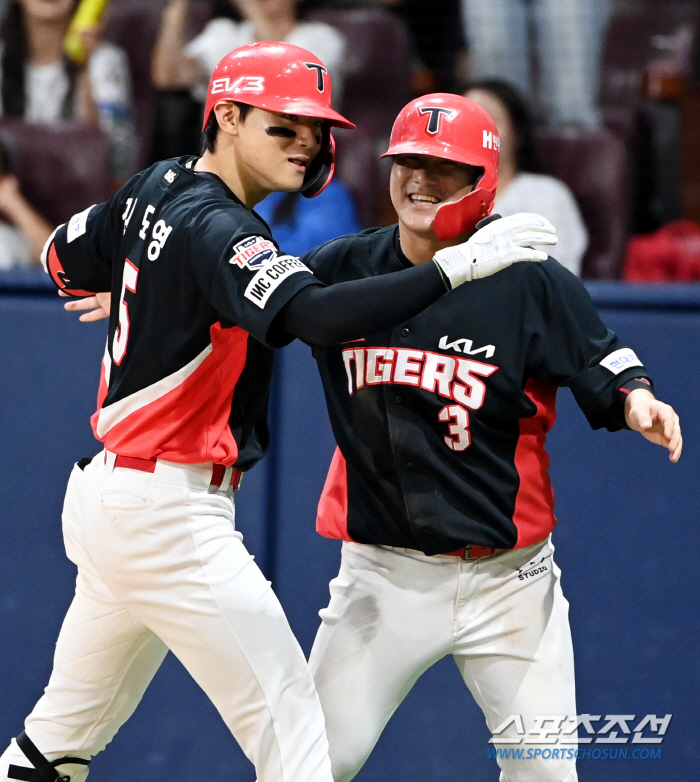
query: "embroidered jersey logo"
253, 252
171, 175
487, 350
254, 84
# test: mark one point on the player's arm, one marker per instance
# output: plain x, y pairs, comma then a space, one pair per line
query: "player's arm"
348, 310
609, 382
77, 256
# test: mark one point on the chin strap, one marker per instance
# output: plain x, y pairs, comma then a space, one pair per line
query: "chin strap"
44, 770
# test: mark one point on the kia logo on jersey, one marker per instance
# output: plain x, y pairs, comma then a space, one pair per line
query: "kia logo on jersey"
253, 252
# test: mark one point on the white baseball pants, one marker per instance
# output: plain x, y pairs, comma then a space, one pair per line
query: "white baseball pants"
160, 566
393, 613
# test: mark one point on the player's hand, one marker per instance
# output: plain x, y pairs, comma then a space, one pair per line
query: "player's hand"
498, 244
95, 307
657, 421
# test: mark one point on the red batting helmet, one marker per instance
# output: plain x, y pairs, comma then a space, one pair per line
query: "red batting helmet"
287, 79
455, 128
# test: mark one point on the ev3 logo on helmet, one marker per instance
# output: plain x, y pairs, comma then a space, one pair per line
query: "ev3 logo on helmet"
436, 114
241, 84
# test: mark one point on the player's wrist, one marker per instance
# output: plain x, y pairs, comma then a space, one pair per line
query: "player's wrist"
454, 265
443, 276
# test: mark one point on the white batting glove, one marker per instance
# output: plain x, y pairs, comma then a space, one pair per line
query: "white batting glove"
498, 244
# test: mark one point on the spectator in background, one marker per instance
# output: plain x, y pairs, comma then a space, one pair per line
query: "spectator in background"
520, 187
568, 35
23, 231
178, 64
301, 224
39, 83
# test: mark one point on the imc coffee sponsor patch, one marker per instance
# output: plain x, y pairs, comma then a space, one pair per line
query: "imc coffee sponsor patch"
253, 252
267, 280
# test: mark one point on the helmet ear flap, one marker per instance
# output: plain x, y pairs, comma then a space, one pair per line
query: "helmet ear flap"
321, 170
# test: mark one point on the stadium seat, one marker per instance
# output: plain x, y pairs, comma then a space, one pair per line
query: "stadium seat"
133, 25
377, 86
62, 169
593, 163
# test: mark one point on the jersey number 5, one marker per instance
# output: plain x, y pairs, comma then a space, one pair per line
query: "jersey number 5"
121, 335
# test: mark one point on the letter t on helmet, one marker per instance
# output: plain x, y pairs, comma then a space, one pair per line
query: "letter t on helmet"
286, 79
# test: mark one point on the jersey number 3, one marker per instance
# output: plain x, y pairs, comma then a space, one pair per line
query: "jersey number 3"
121, 335
459, 438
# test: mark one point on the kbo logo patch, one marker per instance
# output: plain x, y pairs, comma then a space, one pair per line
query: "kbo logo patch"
253, 252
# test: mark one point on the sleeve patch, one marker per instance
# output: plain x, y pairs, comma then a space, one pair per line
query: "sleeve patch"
78, 225
620, 360
253, 252
268, 279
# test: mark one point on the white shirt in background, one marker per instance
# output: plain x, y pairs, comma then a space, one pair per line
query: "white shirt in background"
110, 83
221, 36
552, 199
14, 248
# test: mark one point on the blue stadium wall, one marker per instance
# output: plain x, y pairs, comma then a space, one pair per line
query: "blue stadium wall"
627, 543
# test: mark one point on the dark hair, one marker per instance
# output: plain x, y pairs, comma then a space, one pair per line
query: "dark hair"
211, 130
526, 158
14, 66
225, 9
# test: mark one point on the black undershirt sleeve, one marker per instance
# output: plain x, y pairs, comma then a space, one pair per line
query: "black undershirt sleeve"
349, 310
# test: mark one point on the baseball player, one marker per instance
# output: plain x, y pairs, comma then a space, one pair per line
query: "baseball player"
204, 295
439, 488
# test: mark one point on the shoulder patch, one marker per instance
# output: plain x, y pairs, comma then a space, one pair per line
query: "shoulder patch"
621, 359
170, 176
253, 252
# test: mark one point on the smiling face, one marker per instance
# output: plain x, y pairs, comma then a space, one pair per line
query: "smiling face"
420, 183
272, 151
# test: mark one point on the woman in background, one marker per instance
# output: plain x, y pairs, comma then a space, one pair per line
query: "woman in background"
179, 64
39, 83
521, 188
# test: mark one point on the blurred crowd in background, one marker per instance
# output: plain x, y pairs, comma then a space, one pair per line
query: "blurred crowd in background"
597, 104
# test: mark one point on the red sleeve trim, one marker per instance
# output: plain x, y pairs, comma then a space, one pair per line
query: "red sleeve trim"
59, 276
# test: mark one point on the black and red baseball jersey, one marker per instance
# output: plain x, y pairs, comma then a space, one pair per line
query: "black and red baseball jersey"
187, 367
441, 422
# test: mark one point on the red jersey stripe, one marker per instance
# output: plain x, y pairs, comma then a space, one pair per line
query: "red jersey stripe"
534, 503
185, 417
332, 517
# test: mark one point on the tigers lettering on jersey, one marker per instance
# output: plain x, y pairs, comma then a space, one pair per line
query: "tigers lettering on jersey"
253, 252
453, 378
